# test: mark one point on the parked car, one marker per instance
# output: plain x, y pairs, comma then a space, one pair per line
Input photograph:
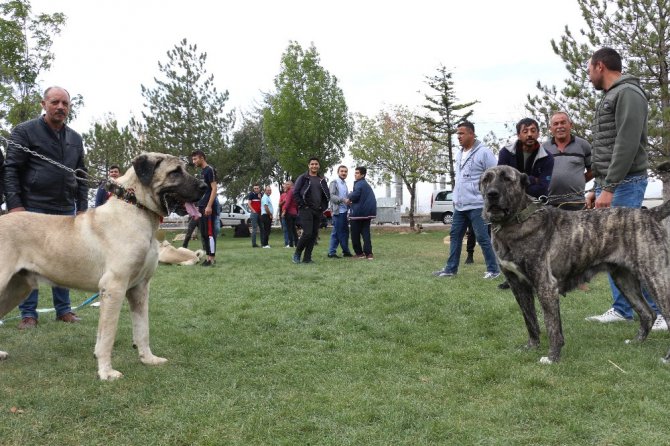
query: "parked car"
234, 214
441, 206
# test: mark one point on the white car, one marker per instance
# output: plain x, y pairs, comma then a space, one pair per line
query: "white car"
233, 215
441, 206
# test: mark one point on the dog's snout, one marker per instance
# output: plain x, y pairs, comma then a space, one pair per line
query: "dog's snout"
492, 194
202, 187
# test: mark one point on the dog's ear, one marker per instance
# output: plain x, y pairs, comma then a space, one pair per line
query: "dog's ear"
524, 180
144, 168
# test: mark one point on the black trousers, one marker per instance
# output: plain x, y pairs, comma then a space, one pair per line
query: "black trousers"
266, 226
192, 224
310, 220
361, 228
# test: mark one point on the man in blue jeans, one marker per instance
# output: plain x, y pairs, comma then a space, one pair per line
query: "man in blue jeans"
471, 162
338, 206
54, 190
619, 156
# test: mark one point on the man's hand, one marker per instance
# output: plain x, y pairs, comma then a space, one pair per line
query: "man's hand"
604, 200
208, 211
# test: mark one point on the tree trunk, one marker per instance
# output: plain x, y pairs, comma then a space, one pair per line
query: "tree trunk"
412, 203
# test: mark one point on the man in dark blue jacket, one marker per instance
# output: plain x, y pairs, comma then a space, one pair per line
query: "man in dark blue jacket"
528, 156
312, 195
363, 210
34, 184
102, 195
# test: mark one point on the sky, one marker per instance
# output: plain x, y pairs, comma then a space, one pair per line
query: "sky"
380, 51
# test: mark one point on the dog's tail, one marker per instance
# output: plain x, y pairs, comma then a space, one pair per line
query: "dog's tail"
200, 253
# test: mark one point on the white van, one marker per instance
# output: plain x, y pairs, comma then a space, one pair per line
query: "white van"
441, 206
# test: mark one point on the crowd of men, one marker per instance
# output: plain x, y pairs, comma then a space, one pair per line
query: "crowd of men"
558, 169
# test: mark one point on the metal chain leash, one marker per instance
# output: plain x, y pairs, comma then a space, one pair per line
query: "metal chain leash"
547, 199
79, 174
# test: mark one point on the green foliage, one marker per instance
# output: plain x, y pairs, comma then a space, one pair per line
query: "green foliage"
340, 352
640, 31
107, 144
185, 111
25, 44
444, 114
307, 115
248, 160
392, 143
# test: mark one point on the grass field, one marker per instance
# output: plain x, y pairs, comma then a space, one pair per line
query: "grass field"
342, 352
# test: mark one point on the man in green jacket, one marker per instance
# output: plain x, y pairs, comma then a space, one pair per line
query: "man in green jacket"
619, 156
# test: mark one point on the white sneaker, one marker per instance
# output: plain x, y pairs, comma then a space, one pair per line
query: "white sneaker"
659, 324
287, 246
490, 275
607, 317
266, 246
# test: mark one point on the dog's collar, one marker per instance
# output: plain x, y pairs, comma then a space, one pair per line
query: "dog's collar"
521, 216
127, 195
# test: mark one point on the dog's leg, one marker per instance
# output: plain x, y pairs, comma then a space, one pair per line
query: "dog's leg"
548, 295
523, 293
631, 287
15, 290
111, 300
138, 298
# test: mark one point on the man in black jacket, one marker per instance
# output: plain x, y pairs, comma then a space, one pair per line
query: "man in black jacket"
36, 185
312, 195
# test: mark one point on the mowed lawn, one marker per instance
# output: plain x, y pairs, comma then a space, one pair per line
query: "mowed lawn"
262, 351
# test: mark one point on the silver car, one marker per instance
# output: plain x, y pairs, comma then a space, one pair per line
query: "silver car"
442, 206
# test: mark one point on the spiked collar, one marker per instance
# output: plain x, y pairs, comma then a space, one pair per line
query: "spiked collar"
127, 195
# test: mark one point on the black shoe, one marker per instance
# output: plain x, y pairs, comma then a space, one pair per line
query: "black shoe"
347, 254
308, 261
504, 285
469, 260
296, 258
206, 263
334, 256
255, 246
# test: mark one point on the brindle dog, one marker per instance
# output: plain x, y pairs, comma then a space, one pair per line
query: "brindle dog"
550, 251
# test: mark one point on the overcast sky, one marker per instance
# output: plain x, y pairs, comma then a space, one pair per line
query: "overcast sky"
380, 51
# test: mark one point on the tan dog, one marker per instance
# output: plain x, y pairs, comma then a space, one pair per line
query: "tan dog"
111, 249
178, 256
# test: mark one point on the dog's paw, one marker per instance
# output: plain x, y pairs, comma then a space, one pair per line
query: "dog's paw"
109, 375
546, 360
3, 355
153, 360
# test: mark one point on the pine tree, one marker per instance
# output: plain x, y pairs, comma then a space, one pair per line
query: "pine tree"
443, 117
185, 111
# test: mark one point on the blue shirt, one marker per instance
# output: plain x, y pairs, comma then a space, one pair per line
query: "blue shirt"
342, 191
266, 201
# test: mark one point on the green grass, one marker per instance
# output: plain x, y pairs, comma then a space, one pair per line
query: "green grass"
262, 351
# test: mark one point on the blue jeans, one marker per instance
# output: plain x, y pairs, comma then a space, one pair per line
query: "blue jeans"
459, 224
254, 217
60, 296
340, 234
284, 228
628, 195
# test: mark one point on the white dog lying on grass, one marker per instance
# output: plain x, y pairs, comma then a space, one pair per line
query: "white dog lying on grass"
178, 256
